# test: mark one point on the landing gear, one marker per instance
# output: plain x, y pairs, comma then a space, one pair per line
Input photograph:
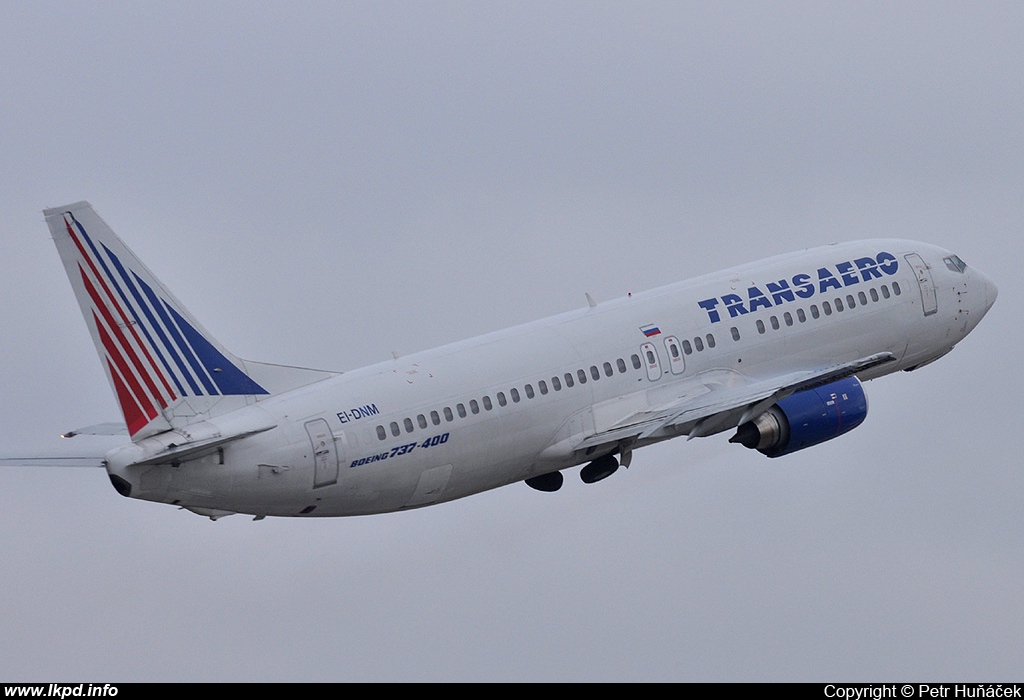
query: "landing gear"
552, 481
600, 468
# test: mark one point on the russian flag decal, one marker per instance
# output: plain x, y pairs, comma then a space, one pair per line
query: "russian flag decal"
650, 331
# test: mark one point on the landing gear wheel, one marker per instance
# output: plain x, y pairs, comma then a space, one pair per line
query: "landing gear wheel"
552, 481
600, 468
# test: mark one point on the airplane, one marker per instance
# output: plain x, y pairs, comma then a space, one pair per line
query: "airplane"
775, 350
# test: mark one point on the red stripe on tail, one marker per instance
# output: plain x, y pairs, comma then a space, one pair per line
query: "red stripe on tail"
141, 399
112, 324
133, 415
124, 317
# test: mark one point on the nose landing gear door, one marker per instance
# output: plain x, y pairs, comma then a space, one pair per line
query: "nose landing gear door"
325, 453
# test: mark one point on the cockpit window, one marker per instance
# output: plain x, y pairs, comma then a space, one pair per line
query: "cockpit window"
955, 264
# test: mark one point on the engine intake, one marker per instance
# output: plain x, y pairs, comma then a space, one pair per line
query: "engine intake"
806, 418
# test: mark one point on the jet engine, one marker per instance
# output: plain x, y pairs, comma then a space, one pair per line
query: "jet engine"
806, 418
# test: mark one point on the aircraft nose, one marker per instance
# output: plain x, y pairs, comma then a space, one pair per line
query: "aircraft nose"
987, 289
991, 290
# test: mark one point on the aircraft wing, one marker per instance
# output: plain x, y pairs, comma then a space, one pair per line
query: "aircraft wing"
89, 456
709, 406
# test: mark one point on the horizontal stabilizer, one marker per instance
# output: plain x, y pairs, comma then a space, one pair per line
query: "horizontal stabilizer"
54, 460
194, 450
98, 429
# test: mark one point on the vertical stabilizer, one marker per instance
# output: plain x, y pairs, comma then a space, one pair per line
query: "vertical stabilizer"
165, 369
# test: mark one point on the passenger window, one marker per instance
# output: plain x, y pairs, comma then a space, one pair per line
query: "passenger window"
827, 307
687, 348
711, 340
698, 343
760, 326
556, 383
395, 430
474, 407
502, 401
448, 414
801, 316
896, 288
461, 409
515, 395
608, 369
543, 386
422, 420
435, 418
788, 318
735, 333
408, 425
775, 323
863, 297
814, 311
487, 403
582, 376
885, 291
637, 364
529, 391
850, 302
568, 380
595, 373
381, 433
839, 304
621, 364
874, 294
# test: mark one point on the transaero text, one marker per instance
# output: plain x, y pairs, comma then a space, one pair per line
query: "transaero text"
802, 286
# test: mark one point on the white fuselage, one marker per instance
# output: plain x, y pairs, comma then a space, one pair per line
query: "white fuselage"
499, 408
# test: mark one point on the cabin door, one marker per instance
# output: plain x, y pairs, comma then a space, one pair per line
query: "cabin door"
924, 281
325, 453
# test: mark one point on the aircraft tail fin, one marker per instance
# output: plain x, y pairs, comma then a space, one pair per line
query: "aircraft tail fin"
165, 369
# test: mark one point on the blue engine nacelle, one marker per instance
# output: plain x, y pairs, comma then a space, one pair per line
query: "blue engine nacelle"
806, 418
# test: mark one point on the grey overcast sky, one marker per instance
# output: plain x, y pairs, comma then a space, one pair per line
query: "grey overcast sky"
325, 183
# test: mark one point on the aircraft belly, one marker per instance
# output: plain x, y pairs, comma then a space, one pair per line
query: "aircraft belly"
485, 460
